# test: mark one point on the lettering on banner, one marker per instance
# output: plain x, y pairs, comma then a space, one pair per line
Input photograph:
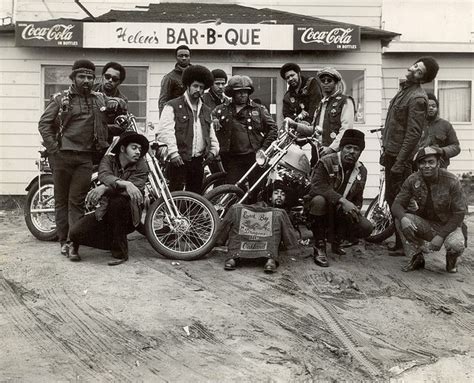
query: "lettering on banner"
253, 246
49, 34
136, 38
256, 224
327, 38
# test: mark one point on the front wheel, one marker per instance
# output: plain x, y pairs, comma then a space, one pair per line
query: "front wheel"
190, 235
223, 197
39, 209
378, 213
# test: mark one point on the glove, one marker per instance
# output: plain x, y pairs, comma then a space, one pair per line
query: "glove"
112, 105
209, 158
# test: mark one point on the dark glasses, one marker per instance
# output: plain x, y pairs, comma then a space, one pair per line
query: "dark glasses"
109, 76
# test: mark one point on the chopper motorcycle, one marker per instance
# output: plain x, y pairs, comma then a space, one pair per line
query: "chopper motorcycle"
179, 225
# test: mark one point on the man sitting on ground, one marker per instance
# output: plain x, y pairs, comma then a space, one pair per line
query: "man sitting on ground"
441, 206
120, 198
337, 188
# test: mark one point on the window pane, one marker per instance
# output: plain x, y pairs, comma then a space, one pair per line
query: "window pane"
265, 92
56, 79
455, 100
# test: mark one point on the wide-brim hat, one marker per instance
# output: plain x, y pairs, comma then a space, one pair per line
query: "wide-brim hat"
129, 137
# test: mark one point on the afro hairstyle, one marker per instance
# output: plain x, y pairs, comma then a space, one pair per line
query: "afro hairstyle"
197, 73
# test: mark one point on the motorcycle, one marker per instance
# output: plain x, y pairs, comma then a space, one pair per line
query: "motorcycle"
284, 160
179, 225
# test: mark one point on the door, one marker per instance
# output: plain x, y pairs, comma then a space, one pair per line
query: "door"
269, 88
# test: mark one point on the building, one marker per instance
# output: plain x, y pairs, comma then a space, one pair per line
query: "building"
33, 68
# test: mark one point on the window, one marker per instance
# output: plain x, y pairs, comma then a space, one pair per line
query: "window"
56, 79
455, 100
353, 84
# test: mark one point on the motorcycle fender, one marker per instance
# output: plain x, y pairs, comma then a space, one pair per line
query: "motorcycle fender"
34, 180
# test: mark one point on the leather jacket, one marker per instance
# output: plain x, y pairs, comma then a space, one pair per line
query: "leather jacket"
309, 94
449, 201
406, 119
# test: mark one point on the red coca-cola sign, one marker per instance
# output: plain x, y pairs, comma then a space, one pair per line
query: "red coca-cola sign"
326, 37
54, 33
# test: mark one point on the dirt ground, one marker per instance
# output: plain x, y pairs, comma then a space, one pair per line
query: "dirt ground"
153, 319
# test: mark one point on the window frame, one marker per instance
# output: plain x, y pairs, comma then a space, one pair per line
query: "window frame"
141, 120
436, 89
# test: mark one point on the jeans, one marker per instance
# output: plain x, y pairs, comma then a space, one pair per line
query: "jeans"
190, 174
110, 233
72, 172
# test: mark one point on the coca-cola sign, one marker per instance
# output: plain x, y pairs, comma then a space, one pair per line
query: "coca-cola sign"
55, 33
326, 37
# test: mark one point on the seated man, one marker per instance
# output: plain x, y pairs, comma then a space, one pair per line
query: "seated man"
256, 231
119, 199
441, 206
337, 187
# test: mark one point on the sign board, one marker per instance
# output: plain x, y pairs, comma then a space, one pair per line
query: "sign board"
49, 34
196, 36
257, 37
317, 38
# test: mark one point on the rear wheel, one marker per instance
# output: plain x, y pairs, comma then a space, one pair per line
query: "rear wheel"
214, 180
39, 209
223, 197
189, 236
378, 213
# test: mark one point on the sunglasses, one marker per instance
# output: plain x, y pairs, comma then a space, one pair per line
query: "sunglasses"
109, 76
327, 80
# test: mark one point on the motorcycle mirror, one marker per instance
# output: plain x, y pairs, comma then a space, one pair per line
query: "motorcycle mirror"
261, 158
121, 121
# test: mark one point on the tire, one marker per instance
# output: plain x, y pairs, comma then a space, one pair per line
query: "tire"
382, 220
223, 197
214, 180
41, 225
192, 236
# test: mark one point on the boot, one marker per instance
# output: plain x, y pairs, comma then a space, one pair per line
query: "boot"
336, 247
417, 262
451, 259
74, 253
319, 238
397, 245
320, 257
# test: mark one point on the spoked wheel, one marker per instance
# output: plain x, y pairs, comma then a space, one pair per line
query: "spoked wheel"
223, 197
378, 213
211, 182
39, 210
189, 236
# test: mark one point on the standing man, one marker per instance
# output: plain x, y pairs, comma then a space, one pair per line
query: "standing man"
74, 127
215, 95
441, 210
245, 128
113, 74
406, 119
172, 85
185, 127
120, 197
337, 188
439, 133
303, 95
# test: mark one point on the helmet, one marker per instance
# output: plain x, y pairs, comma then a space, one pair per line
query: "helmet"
297, 159
238, 82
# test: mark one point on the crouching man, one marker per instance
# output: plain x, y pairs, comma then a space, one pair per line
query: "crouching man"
440, 206
337, 187
258, 230
119, 199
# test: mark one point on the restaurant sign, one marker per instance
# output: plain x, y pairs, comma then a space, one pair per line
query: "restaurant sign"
276, 37
326, 38
49, 34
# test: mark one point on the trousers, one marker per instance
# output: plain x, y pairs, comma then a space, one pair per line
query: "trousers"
190, 174
426, 231
72, 173
110, 233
